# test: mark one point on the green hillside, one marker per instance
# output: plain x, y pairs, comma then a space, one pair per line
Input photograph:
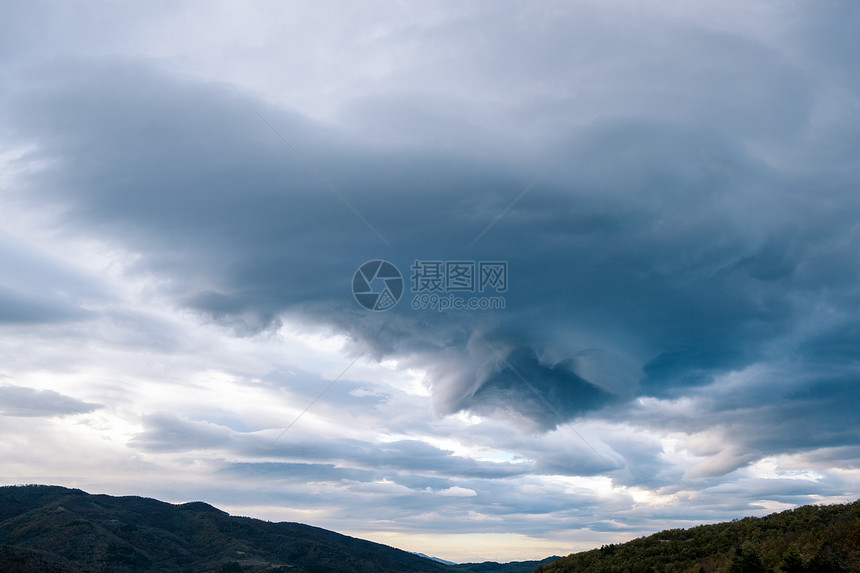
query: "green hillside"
809, 539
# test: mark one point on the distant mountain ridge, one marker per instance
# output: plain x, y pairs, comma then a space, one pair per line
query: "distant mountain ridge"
433, 558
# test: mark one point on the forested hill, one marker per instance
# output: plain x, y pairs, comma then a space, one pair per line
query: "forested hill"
809, 539
49, 529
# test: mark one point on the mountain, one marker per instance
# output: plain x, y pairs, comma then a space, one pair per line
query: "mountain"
493, 567
434, 558
809, 539
54, 529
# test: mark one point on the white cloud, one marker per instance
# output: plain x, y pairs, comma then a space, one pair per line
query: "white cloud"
457, 491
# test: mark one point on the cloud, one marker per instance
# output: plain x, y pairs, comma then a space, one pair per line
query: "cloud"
30, 402
457, 491
661, 254
165, 432
39, 288
727, 460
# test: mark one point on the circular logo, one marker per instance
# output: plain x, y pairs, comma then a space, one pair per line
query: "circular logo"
377, 285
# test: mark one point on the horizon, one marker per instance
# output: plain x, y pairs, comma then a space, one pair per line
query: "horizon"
490, 281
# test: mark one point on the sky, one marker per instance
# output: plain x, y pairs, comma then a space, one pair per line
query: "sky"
188, 189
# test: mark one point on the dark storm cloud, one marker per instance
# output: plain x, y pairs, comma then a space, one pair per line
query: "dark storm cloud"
668, 247
537, 391
29, 402
258, 225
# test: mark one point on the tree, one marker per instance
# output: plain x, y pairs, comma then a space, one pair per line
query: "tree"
792, 563
825, 561
746, 562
